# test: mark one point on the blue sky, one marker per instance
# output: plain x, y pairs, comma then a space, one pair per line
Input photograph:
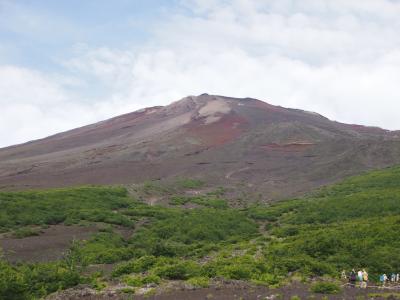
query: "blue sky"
64, 64
37, 33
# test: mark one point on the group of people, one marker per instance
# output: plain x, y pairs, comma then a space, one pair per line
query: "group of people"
362, 278
385, 279
354, 277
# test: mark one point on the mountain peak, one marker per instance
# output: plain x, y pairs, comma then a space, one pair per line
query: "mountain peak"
276, 151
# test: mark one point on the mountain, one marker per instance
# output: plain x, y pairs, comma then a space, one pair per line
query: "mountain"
272, 151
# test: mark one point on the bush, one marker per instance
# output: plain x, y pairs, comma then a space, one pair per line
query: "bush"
244, 267
141, 264
140, 280
199, 282
105, 248
151, 278
34, 281
12, 283
178, 270
237, 272
325, 288
206, 201
58, 205
267, 279
185, 233
25, 232
133, 280
128, 291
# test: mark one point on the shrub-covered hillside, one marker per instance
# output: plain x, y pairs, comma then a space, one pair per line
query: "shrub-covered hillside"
353, 224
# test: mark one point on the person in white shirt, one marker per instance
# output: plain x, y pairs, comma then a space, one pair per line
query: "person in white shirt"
360, 277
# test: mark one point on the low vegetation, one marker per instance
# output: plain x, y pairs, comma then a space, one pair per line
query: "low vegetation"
69, 206
28, 281
353, 224
325, 288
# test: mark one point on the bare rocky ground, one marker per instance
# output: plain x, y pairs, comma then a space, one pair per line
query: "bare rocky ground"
227, 291
266, 152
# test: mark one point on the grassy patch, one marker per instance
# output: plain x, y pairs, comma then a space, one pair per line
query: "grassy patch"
325, 288
207, 201
25, 232
51, 207
199, 282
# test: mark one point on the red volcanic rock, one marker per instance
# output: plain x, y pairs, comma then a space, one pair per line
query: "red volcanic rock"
226, 129
276, 152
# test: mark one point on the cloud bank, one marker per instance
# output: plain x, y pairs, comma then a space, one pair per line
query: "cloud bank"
338, 58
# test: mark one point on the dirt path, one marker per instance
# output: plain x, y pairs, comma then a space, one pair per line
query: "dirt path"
230, 174
235, 291
259, 293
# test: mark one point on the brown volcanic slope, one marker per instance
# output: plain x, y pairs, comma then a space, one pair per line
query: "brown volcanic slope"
267, 149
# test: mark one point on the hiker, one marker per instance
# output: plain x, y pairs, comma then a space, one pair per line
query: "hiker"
383, 279
365, 279
360, 277
344, 276
393, 277
397, 277
353, 278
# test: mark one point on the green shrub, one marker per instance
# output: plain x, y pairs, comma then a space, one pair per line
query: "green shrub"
58, 205
128, 290
244, 267
151, 278
141, 264
325, 288
206, 201
105, 248
177, 270
133, 280
139, 280
34, 281
267, 279
199, 282
25, 232
187, 232
12, 283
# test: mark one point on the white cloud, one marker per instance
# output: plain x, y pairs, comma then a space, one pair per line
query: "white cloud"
34, 105
339, 58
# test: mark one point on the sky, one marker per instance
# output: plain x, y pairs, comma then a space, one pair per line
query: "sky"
65, 64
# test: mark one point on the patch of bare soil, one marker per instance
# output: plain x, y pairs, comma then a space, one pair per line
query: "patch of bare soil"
48, 246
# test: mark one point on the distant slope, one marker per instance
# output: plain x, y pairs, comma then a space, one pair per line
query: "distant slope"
270, 151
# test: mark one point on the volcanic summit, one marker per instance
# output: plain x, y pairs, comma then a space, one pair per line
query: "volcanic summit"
276, 152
